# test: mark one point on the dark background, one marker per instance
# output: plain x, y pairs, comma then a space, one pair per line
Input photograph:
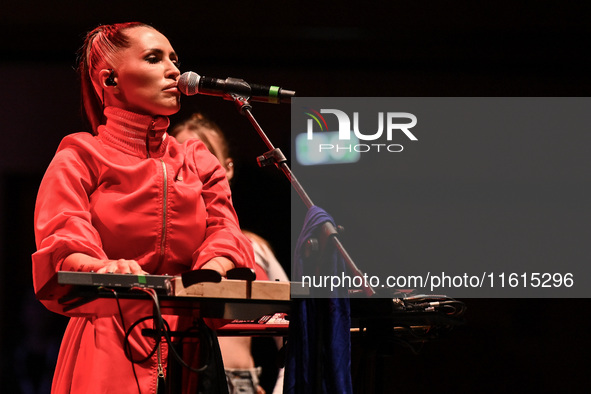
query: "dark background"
335, 49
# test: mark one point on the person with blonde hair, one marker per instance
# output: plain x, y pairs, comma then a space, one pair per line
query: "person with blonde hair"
242, 374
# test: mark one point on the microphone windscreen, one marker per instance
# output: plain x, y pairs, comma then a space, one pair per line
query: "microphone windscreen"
188, 83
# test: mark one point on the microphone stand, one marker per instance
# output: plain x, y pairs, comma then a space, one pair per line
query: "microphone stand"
275, 156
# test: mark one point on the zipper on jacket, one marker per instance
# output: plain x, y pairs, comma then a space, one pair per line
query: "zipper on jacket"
164, 211
160, 379
164, 195
148, 132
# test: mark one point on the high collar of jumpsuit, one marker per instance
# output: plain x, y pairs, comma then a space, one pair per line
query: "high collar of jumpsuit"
142, 136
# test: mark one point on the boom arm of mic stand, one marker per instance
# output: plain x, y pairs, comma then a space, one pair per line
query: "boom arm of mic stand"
275, 156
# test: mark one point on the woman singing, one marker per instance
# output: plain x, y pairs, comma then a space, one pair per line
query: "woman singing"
129, 199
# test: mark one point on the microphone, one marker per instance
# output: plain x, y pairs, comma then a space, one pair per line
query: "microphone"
191, 83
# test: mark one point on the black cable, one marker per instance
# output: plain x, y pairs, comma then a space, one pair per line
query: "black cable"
164, 330
448, 306
126, 344
128, 333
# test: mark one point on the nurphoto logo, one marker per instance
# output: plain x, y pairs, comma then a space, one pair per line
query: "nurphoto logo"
390, 124
342, 132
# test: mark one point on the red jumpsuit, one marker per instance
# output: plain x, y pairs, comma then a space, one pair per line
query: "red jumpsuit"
131, 192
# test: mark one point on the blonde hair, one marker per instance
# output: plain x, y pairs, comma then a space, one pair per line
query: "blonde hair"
204, 128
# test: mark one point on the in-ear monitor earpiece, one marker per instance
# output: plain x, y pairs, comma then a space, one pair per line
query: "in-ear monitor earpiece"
110, 81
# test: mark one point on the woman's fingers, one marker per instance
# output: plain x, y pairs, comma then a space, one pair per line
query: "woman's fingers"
121, 266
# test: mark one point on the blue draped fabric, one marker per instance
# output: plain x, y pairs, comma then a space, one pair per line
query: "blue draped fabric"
319, 346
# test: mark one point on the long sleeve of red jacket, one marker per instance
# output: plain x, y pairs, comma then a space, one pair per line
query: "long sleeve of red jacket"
221, 236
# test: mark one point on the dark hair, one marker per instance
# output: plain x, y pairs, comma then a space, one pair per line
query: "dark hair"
203, 127
97, 53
